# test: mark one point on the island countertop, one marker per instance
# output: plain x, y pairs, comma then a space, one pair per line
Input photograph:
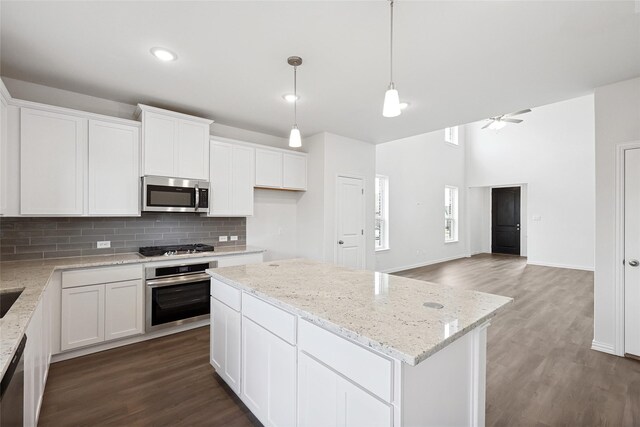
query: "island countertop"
384, 312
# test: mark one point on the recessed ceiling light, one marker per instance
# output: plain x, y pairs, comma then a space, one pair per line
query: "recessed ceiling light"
163, 54
404, 105
289, 97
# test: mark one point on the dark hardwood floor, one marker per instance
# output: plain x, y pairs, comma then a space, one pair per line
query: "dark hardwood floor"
541, 370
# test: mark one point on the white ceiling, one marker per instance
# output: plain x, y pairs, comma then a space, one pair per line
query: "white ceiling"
456, 61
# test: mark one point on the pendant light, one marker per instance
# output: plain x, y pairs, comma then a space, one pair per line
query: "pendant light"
391, 107
295, 140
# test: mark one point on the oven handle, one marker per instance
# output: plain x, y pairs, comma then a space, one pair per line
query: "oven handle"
177, 280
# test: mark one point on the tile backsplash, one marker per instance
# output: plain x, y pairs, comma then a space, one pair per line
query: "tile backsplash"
39, 238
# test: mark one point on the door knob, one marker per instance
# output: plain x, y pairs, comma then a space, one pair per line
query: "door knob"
634, 263
340, 242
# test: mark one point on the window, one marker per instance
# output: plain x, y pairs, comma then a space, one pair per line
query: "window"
451, 135
450, 214
382, 213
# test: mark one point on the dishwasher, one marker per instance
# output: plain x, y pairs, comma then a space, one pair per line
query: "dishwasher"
12, 389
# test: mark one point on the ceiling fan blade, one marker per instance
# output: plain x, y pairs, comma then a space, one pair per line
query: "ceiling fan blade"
517, 113
487, 125
512, 120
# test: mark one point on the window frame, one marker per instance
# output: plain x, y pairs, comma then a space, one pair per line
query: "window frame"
455, 220
383, 217
452, 136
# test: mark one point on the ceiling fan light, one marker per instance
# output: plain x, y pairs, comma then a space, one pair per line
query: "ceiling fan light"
497, 125
295, 140
391, 107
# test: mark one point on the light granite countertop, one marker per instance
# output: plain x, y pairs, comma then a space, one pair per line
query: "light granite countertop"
381, 311
33, 277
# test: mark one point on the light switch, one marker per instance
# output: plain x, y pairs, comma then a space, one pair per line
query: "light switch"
536, 218
222, 238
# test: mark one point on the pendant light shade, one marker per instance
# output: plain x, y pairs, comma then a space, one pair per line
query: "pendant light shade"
391, 106
295, 139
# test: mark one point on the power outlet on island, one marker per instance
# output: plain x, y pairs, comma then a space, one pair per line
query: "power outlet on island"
104, 244
222, 238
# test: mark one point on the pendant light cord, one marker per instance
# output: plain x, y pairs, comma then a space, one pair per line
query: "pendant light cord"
295, 96
391, 45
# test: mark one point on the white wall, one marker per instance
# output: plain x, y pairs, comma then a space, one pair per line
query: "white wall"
617, 121
552, 152
418, 168
329, 156
479, 202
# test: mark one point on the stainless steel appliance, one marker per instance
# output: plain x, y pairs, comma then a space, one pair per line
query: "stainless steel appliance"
177, 294
163, 194
12, 389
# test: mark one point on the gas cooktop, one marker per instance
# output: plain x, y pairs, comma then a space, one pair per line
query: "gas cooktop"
168, 250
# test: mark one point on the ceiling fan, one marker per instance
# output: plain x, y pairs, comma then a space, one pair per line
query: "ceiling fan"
498, 122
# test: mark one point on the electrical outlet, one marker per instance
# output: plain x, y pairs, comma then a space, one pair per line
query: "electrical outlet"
222, 238
104, 244
234, 238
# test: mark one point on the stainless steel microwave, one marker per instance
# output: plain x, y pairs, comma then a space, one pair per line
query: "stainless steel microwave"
163, 194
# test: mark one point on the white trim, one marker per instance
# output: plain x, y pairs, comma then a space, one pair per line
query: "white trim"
557, 265
604, 348
424, 264
618, 346
21, 103
4, 92
142, 107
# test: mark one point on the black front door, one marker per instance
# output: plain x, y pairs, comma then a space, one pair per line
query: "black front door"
505, 220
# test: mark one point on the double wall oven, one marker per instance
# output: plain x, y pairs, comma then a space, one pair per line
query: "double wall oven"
177, 294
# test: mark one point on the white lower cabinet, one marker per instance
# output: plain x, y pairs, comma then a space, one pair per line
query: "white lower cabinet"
225, 333
268, 375
327, 399
37, 355
82, 316
123, 314
96, 312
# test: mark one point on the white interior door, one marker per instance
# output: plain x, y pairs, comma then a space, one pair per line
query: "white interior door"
350, 222
632, 251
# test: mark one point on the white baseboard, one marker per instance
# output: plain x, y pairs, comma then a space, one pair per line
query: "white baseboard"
556, 265
424, 264
131, 340
603, 347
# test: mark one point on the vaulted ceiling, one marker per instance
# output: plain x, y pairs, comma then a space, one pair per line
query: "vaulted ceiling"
456, 61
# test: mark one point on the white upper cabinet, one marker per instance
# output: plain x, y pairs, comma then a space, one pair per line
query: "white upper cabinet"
231, 179
174, 144
294, 171
268, 168
53, 149
4, 149
281, 169
114, 179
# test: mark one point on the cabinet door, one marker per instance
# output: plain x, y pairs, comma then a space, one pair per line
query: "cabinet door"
192, 150
225, 343
220, 179
243, 180
160, 134
268, 375
294, 171
82, 316
52, 163
114, 179
268, 168
327, 399
124, 309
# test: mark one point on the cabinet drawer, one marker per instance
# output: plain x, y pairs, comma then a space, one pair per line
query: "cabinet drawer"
226, 294
93, 276
273, 319
349, 359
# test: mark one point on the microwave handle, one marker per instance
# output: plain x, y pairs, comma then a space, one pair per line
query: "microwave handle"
197, 197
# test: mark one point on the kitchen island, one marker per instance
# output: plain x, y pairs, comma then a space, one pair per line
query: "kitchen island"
307, 343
